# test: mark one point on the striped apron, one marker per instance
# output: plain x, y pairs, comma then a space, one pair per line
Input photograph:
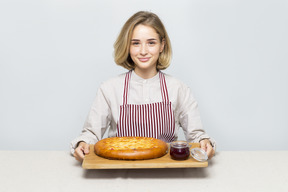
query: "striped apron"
147, 120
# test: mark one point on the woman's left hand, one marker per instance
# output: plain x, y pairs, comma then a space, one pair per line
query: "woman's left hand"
205, 144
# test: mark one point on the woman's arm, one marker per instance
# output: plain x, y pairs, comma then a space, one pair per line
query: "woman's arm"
98, 120
190, 121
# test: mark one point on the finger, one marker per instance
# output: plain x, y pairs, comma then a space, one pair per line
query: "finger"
83, 147
86, 149
203, 145
210, 151
79, 155
211, 154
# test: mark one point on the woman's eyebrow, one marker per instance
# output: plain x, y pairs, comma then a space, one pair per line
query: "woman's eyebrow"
152, 39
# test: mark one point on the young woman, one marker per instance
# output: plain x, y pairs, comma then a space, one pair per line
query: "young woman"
144, 101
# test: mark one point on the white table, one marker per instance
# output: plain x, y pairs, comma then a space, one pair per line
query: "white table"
54, 171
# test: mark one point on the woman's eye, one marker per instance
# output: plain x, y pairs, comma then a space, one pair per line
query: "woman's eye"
151, 43
135, 43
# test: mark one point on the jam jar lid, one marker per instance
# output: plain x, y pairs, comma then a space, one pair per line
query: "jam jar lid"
199, 154
179, 144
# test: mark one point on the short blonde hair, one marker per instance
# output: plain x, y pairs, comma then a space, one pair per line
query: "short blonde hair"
122, 44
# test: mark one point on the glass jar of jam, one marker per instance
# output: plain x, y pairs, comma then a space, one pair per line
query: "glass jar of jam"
179, 150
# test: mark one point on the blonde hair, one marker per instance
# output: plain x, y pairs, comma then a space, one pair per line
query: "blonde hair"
122, 44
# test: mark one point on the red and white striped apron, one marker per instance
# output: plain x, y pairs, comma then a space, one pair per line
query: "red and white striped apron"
147, 120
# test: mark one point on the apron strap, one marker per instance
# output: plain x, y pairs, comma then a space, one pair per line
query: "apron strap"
126, 86
163, 87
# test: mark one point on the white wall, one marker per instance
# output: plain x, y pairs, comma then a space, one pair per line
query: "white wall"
55, 53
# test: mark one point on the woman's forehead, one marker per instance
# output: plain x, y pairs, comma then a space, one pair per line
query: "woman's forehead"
144, 32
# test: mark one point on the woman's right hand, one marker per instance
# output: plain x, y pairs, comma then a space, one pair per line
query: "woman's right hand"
81, 150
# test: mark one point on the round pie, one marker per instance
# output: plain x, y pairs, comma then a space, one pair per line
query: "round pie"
131, 148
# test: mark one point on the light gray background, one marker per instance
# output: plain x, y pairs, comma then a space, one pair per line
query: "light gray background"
55, 53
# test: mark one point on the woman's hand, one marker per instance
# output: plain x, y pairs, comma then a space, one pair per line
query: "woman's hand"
81, 151
205, 144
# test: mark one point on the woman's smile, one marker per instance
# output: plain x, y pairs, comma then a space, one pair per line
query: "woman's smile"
144, 59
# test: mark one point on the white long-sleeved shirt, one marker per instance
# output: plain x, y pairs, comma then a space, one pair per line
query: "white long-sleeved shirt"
104, 112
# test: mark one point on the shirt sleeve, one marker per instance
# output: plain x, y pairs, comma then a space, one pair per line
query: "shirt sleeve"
97, 121
189, 117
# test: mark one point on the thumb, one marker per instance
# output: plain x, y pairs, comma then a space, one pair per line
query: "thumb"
86, 148
203, 145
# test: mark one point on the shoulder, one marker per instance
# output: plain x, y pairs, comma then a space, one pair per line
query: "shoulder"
174, 83
115, 81
113, 86
177, 88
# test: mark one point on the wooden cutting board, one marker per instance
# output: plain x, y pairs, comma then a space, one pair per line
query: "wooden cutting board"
93, 161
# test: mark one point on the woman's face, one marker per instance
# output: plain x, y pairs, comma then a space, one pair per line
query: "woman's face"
145, 48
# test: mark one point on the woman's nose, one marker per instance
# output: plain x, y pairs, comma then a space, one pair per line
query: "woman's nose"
143, 50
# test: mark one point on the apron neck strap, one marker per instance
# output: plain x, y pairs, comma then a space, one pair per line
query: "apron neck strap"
126, 86
164, 90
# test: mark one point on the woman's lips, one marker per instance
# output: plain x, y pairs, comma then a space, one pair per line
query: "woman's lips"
144, 59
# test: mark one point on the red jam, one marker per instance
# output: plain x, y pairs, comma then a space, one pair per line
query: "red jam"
179, 151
